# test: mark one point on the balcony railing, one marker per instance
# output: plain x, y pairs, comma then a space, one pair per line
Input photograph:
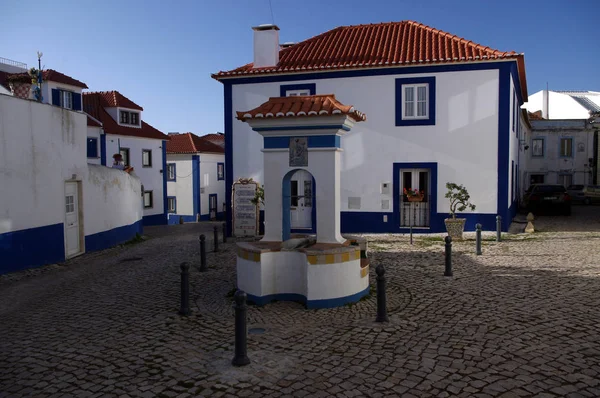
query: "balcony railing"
415, 214
10, 62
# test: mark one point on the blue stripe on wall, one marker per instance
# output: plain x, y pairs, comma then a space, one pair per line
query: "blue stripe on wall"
314, 141
164, 178
32, 247
310, 304
296, 128
103, 149
228, 122
503, 144
196, 184
155, 219
105, 239
174, 218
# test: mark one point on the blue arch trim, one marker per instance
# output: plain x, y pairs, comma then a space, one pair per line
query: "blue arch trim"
103, 149
228, 123
196, 185
286, 223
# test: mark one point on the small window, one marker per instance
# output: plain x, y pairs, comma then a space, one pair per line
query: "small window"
146, 158
415, 101
566, 147
124, 117
294, 93
148, 203
70, 204
135, 118
537, 179
220, 171
171, 172
294, 193
92, 147
66, 99
537, 147
125, 154
172, 204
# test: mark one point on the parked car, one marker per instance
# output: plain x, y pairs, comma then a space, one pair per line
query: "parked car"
576, 193
591, 194
547, 197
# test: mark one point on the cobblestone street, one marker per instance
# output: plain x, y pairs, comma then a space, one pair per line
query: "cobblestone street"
523, 319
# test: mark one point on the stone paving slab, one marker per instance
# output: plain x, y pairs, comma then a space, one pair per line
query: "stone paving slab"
523, 319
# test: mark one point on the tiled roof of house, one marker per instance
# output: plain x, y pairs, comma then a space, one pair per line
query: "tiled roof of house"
303, 106
376, 45
116, 99
218, 138
95, 103
92, 122
191, 143
4, 80
47, 75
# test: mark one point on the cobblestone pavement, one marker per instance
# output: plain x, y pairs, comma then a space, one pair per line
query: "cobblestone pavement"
523, 319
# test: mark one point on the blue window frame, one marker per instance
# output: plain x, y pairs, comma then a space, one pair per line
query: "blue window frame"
172, 204
92, 147
565, 147
171, 172
415, 101
295, 89
220, 171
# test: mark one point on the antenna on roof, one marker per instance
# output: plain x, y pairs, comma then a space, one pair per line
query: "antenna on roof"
272, 17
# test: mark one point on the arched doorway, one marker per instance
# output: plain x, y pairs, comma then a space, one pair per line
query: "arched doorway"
299, 203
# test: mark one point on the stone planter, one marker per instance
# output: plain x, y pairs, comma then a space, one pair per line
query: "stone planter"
20, 89
455, 227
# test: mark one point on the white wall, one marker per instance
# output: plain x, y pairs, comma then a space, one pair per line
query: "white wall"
464, 140
561, 106
182, 188
47, 87
208, 181
151, 177
94, 132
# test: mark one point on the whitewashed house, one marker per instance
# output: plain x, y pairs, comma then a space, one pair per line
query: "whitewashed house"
54, 205
562, 105
439, 109
124, 132
195, 178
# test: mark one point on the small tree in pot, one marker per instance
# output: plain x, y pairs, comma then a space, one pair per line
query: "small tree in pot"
459, 201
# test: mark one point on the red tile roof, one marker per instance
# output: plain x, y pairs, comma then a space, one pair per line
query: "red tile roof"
191, 143
303, 106
116, 99
4, 80
218, 138
378, 45
47, 75
92, 122
95, 105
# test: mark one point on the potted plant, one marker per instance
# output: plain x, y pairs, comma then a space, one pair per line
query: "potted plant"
459, 201
414, 195
20, 85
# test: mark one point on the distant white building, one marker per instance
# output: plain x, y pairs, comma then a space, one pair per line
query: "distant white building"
116, 127
564, 104
195, 178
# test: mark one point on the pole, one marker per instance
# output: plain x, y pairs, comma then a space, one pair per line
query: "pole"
448, 256
381, 299
241, 353
185, 289
478, 239
203, 253
498, 229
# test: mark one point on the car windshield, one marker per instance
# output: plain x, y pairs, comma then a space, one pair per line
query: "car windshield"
550, 188
575, 187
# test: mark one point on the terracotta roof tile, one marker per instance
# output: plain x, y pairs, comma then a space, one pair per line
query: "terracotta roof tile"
47, 75
405, 43
92, 122
218, 138
191, 143
303, 106
116, 99
94, 104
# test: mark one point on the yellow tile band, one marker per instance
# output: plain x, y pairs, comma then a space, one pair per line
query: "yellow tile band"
364, 272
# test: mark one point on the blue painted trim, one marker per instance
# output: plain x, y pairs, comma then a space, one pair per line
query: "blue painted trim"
173, 219
296, 128
93, 147
155, 219
223, 176
512, 181
286, 198
314, 141
196, 184
543, 147
430, 121
112, 237
164, 178
216, 204
228, 123
32, 247
560, 155
103, 149
504, 94
310, 304
174, 210
434, 220
312, 87
174, 165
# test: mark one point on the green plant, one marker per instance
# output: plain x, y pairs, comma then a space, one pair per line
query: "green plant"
459, 198
259, 196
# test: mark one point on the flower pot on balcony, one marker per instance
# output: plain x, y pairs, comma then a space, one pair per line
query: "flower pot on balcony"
455, 227
418, 198
20, 89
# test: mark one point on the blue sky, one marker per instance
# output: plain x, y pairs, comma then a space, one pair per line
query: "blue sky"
160, 54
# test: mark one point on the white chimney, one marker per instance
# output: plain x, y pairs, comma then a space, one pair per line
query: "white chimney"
545, 100
266, 45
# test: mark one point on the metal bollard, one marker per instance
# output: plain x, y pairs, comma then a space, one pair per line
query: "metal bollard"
478, 239
448, 255
241, 354
203, 253
381, 305
498, 229
224, 233
185, 289
216, 238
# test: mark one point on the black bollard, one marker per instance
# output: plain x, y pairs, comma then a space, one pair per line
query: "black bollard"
448, 255
381, 305
185, 289
203, 253
241, 354
224, 233
478, 239
498, 229
216, 238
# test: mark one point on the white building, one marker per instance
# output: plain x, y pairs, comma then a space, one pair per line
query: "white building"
439, 109
564, 104
195, 178
123, 131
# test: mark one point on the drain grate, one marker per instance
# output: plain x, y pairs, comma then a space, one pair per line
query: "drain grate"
256, 331
126, 259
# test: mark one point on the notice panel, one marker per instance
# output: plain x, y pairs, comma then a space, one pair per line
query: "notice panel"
245, 213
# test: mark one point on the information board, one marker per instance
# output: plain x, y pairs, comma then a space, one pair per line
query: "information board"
245, 213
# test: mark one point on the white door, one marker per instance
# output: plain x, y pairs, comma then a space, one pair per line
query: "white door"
301, 197
71, 219
414, 214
